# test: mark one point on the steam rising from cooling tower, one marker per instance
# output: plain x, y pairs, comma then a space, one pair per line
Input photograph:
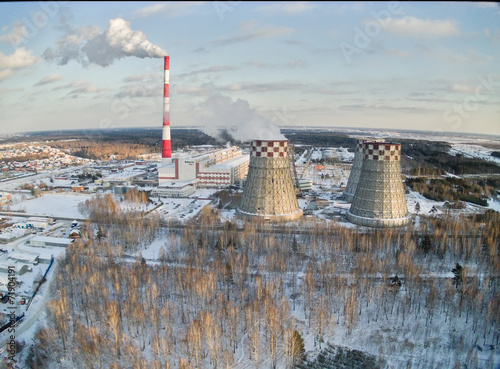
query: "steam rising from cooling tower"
353, 180
87, 45
269, 192
379, 200
237, 119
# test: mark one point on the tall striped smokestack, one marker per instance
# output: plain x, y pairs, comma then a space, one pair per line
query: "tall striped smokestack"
166, 151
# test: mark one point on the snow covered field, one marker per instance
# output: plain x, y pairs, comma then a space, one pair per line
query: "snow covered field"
474, 151
63, 205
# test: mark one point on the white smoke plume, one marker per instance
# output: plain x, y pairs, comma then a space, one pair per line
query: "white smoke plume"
238, 119
88, 46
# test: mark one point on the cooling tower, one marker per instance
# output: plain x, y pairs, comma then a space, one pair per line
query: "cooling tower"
166, 150
293, 170
353, 180
379, 200
269, 192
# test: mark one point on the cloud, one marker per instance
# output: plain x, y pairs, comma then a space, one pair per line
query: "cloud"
88, 46
19, 59
150, 10
139, 90
6, 73
465, 56
16, 34
69, 46
242, 122
486, 5
213, 69
492, 34
422, 28
137, 77
291, 64
288, 8
170, 8
251, 33
75, 84
87, 89
379, 107
51, 78
4, 90
271, 86
461, 88
206, 89
396, 53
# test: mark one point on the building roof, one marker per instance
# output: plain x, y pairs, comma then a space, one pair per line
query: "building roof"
123, 176
38, 219
47, 239
177, 184
23, 257
231, 163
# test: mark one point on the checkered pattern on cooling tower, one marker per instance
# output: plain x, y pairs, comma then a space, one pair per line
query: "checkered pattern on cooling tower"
384, 151
361, 141
270, 149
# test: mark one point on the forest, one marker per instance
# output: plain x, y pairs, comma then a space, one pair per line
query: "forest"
272, 296
451, 189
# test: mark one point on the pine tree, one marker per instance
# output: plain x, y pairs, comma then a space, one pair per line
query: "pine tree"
458, 271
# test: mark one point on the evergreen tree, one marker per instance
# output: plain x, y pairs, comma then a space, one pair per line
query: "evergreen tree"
458, 271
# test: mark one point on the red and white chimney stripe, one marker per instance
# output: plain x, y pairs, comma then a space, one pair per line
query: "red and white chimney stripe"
166, 151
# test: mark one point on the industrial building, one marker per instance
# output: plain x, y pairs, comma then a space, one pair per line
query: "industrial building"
379, 199
49, 241
38, 223
175, 189
218, 168
122, 179
24, 258
269, 191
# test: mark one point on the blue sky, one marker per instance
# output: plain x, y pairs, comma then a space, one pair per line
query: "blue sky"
399, 65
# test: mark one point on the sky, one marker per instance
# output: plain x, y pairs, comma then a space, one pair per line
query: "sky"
432, 66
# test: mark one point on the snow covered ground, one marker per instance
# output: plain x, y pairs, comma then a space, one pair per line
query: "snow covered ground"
474, 151
340, 153
494, 204
426, 205
53, 205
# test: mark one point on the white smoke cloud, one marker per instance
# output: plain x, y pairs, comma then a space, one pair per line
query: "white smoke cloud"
241, 121
88, 46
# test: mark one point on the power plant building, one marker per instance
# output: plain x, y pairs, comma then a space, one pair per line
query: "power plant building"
219, 168
379, 200
269, 191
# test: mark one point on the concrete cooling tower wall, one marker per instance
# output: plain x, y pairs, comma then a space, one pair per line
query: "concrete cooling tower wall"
269, 191
379, 200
